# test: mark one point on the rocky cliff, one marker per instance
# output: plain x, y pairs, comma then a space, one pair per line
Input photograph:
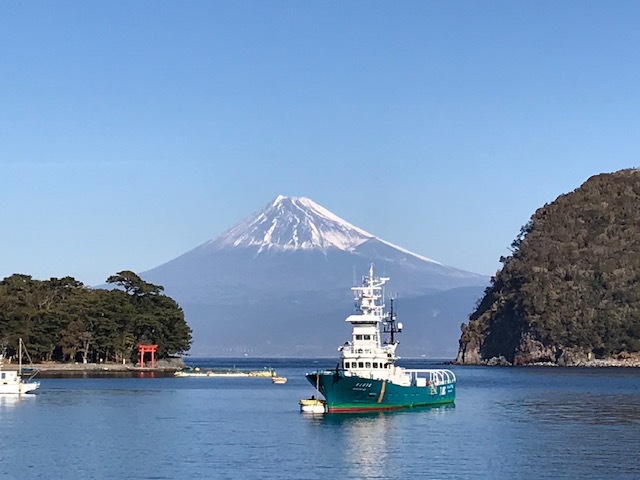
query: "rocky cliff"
570, 292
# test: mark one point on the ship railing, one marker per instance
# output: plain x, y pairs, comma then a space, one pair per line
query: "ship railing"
429, 377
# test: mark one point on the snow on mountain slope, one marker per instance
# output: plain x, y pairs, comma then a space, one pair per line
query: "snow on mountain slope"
293, 223
294, 244
297, 223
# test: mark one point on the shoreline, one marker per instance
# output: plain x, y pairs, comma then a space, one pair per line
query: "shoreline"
596, 363
631, 361
170, 367
56, 368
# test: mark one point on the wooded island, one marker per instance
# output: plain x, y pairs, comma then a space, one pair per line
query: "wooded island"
62, 320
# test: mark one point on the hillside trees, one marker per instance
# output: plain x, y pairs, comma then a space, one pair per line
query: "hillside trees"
63, 320
572, 282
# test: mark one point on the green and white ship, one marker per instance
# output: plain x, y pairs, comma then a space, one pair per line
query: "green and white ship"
367, 377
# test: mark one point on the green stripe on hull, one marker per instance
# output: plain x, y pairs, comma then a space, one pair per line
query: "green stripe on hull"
357, 394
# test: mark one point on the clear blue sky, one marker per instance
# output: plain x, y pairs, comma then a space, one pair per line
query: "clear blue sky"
132, 132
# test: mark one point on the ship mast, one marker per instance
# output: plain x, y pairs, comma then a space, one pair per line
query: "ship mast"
390, 326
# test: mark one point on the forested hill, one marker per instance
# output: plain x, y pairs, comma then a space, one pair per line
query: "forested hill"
63, 320
571, 289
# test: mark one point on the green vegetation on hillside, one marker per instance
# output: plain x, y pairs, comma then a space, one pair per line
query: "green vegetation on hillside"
63, 320
572, 282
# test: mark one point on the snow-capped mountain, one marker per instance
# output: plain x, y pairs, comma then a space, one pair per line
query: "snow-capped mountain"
293, 223
278, 282
297, 223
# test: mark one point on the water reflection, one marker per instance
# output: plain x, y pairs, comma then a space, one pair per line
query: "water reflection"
370, 445
8, 400
366, 446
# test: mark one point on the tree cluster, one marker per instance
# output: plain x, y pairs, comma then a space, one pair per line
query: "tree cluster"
573, 279
63, 320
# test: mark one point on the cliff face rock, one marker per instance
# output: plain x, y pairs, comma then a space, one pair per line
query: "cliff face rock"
531, 350
469, 352
570, 292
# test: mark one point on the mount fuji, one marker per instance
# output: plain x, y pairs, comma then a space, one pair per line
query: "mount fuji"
278, 284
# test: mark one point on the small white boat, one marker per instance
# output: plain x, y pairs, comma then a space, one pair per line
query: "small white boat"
11, 381
279, 380
313, 405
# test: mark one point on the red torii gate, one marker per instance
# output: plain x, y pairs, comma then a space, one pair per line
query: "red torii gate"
148, 349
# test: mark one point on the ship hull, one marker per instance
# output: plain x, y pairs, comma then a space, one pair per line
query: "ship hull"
346, 394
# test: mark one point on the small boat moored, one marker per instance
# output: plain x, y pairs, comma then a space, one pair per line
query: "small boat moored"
11, 381
313, 405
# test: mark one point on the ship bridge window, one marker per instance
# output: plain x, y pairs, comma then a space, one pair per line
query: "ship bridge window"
366, 337
358, 337
360, 364
368, 365
375, 364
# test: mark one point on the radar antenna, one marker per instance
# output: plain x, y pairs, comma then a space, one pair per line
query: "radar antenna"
390, 326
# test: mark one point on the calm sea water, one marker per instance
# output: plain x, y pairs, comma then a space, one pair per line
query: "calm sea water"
507, 423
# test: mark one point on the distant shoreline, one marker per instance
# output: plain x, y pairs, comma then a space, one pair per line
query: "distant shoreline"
626, 361
170, 367
597, 363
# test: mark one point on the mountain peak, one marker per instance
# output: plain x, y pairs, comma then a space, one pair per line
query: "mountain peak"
293, 223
